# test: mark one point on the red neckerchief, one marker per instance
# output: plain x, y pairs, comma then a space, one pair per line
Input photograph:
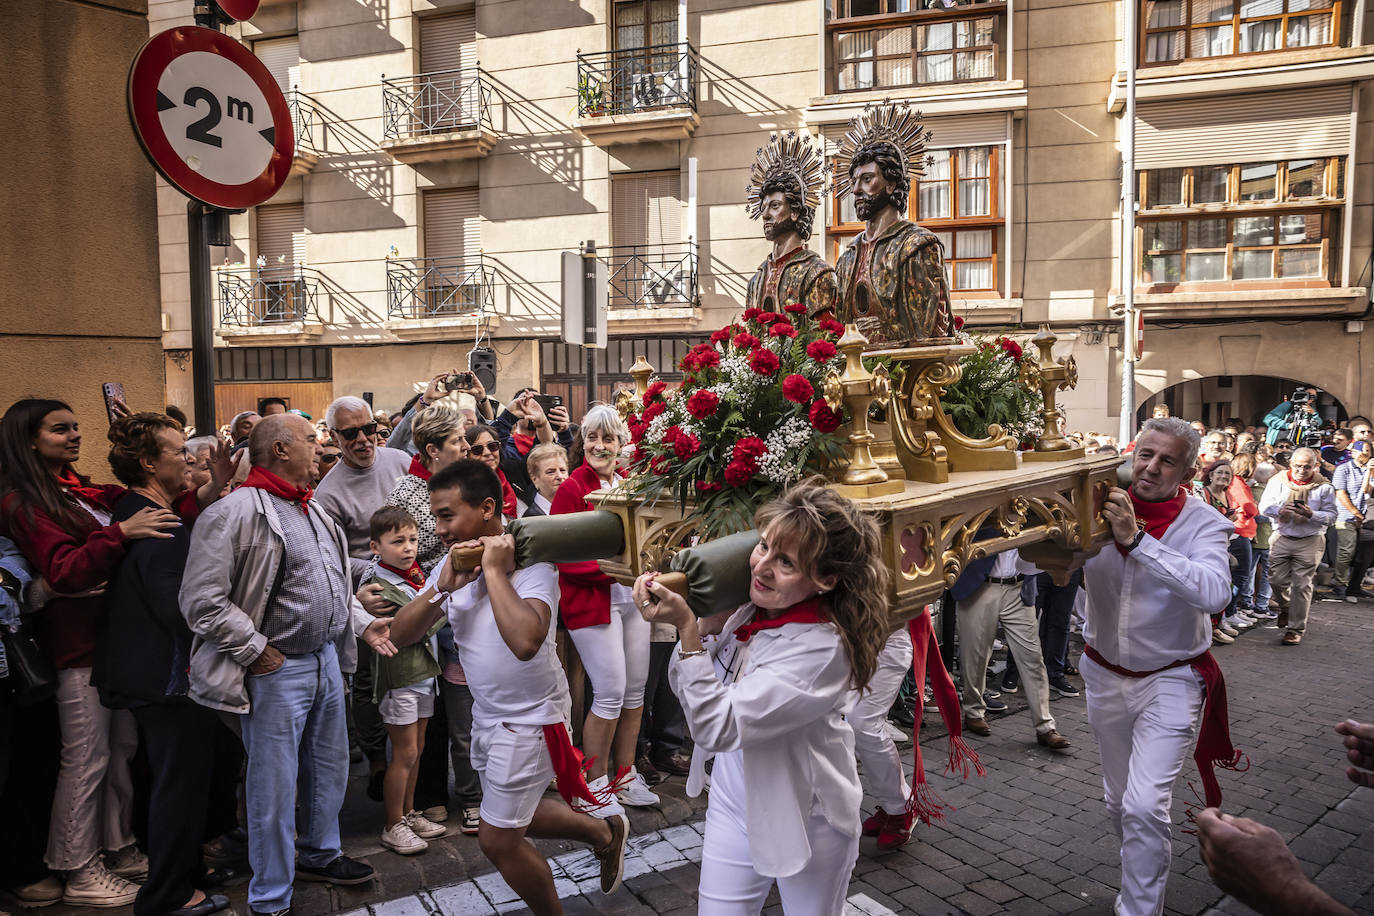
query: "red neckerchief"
415, 575
1296, 483
812, 610
523, 443
78, 486
1155, 518
509, 507
266, 480
419, 470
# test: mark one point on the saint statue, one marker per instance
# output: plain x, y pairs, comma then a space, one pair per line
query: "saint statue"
892, 276
784, 190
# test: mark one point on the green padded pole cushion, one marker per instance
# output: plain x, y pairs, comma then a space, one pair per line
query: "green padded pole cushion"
573, 538
717, 572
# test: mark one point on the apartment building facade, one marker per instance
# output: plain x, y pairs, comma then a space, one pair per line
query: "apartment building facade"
449, 151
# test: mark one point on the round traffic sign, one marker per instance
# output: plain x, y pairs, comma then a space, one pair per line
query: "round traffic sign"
211, 117
241, 10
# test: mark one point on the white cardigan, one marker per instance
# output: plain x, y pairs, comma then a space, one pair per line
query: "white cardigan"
784, 711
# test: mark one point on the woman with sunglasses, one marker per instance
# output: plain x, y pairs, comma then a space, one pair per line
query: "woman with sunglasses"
486, 447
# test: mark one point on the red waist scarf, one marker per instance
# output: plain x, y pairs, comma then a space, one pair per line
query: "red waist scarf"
266, 480
923, 802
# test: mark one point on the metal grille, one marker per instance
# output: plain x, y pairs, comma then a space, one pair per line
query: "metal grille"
435, 103
438, 287
267, 295
307, 120
274, 364
651, 276
637, 79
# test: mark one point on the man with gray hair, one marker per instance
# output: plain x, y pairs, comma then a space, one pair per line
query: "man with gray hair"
266, 593
1301, 503
1150, 594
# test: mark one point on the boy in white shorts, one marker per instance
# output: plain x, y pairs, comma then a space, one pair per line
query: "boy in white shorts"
502, 624
403, 683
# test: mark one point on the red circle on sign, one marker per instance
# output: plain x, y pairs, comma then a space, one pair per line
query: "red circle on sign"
242, 10
149, 65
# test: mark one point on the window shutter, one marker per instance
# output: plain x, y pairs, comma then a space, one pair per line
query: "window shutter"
453, 224
448, 42
282, 56
281, 234
1303, 123
646, 209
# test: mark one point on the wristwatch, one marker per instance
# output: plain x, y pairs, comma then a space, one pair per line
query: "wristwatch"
1135, 541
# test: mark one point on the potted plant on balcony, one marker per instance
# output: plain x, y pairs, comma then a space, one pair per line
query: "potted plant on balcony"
591, 95
747, 421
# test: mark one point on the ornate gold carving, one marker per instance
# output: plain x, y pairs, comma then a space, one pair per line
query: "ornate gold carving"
1051, 377
641, 372
857, 388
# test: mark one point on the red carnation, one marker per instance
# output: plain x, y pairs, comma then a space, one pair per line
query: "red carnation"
703, 403
671, 433
737, 474
723, 334
708, 359
655, 389
833, 326
764, 362
783, 329
652, 411
636, 432
752, 314
797, 389
746, 341
796, 308
748, 450
769, 317
638, 457
707, 486
688, 363
660, 464
1011, 348
958, 323
686, 446
822, 418
821, 350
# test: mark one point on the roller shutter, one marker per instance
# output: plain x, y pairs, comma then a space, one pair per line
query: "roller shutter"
448, 42
646, 209
453, 226
282, 56
281, 234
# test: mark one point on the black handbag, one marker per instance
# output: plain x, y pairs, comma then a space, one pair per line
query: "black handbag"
1366, 531
32, 677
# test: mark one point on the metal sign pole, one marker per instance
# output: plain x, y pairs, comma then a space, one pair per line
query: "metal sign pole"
202, 320
589, 315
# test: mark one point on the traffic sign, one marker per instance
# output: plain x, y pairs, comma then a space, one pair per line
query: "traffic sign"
1135, 350
241, 10
211, 117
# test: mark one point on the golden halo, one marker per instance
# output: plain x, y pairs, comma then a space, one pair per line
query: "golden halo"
791, 153
888, 122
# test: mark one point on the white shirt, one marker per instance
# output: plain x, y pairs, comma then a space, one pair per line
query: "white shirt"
544, 505
505, 689
1150, 608
1321, 499
1005, 565
777, 704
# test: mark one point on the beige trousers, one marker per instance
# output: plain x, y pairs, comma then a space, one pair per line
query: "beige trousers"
94, 802
1292, 567
976, 618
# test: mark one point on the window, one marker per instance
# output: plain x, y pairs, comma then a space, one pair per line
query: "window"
959, 199
273, 364
1253, 221
1173, 30
879, 44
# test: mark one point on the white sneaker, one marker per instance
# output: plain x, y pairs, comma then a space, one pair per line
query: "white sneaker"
424, 828
127, 862
96, 885
1228, 629
1221, 638
472, 819
1236, 622
401, 839
636, 792
896, 734
600, 788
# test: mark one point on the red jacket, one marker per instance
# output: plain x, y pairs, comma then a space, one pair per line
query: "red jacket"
584, 590
1244, 500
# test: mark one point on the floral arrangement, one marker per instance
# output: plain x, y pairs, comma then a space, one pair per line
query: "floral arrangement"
747, 421
990, 391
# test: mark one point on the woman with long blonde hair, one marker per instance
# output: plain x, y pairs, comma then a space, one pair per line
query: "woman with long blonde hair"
767, 697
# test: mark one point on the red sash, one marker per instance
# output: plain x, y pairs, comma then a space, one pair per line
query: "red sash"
266, 480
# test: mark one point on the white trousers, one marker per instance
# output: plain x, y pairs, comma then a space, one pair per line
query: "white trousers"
731, 887
881, 760
616, 656
1146, 728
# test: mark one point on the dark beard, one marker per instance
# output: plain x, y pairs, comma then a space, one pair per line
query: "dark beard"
774, 231
868, 207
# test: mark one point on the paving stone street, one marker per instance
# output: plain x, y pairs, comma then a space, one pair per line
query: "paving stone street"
1029, 838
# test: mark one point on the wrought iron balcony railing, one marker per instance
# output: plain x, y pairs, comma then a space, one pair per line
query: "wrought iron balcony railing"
306, 120
651, 276
632, 80
253, 297
435, 103
438, 287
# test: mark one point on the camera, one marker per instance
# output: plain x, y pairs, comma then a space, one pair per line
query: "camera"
1300, 396
548, 402
459, 381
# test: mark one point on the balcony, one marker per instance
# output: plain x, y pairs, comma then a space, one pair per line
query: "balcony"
429, 298
653, 284
638, 94
269, 305
308, 123
440, 116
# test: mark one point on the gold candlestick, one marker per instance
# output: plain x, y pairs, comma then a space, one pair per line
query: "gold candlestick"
856, 388
1051, 376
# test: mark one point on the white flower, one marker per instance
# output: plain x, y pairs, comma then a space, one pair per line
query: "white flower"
779, 464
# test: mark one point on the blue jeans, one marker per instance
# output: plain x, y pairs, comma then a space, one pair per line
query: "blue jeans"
1255, 592
1242, 549
297, 746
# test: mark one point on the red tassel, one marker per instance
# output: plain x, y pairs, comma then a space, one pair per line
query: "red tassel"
961, 757
568, 766
924, 805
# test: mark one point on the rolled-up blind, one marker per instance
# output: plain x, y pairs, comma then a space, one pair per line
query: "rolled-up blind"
281, 234
453, 225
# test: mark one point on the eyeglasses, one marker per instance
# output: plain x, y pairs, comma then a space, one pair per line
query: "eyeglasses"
328, 459
493, 447
351, 432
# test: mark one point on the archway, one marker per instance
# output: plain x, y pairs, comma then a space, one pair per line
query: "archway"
1219, 399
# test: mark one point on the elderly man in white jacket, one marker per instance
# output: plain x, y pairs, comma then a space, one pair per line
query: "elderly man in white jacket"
1302, 504
1149, 597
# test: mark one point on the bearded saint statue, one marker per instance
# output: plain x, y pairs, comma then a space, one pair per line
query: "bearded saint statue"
784, 191
892, 276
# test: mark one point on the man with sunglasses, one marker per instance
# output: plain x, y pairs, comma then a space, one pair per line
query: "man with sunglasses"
353, 489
